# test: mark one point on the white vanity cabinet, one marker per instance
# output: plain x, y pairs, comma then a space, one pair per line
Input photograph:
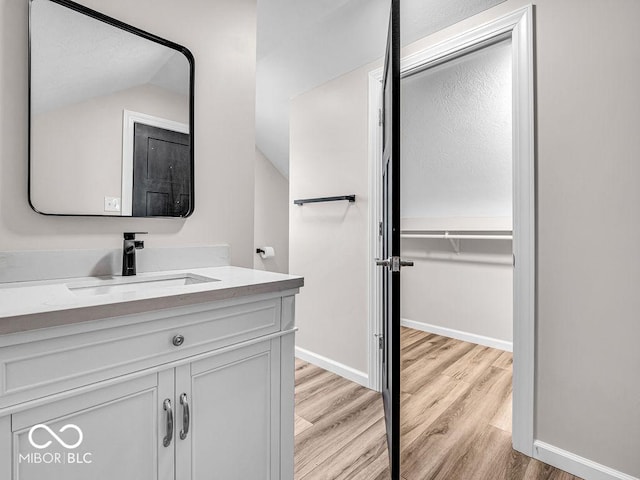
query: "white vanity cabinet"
235, 415
192, 393
119, 436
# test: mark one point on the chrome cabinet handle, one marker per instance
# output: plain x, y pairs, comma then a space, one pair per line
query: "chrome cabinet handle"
169, 436
185, 416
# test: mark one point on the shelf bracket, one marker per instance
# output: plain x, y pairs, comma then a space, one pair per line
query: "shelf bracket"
455, 242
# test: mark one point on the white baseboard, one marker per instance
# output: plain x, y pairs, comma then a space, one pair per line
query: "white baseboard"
459, 335
338, 368
574, 464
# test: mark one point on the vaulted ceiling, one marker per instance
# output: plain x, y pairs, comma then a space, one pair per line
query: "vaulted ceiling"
305, 43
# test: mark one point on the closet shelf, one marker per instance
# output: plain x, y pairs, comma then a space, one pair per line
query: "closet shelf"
455, 236
458, 235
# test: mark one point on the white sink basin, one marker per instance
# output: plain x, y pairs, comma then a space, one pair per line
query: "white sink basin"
136, 284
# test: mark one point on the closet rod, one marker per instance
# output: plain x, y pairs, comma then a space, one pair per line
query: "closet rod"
350, 198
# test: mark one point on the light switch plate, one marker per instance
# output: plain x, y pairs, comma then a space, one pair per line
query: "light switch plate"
111, 204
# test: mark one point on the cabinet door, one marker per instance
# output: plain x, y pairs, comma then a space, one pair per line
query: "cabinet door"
105, 434
235, 410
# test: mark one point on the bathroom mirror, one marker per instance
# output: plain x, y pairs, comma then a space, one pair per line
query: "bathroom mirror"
111, 117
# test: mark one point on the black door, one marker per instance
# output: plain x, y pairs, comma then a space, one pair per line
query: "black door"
161, 172
391, 241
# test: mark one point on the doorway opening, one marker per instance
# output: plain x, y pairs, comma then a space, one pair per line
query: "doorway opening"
456, 228
509, 238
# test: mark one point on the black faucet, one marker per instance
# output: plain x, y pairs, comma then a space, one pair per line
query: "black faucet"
129, 247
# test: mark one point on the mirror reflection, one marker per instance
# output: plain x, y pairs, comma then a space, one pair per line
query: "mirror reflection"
110, 117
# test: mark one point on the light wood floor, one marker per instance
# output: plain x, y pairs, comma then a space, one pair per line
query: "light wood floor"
456, 419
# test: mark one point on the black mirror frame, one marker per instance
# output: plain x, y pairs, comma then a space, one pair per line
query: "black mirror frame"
141, 33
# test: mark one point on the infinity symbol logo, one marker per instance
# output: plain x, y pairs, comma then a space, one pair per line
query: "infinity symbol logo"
58, 439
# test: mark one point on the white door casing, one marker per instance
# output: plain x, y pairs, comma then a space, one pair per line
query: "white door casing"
519, 27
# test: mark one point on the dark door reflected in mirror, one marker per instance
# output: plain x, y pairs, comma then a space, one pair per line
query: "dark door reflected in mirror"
111, 117
161, 172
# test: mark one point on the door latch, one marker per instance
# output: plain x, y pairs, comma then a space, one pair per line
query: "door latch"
394, 263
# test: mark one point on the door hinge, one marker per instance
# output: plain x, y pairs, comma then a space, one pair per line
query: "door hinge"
380, 341
380, 229
380, 120
514, 260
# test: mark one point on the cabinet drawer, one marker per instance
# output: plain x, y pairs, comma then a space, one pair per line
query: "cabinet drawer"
35, 368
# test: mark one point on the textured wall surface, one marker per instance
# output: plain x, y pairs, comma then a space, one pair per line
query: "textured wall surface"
456, 137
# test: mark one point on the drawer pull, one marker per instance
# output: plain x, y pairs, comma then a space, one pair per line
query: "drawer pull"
169, 436
185, 416
178, 340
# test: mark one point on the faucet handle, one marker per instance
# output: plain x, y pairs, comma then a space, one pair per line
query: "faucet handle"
132, 235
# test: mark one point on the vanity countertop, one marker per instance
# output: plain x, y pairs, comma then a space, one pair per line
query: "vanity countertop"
32, 305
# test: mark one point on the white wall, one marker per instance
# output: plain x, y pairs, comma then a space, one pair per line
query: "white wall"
587, 77
328, 241
470, 292
86, 138
456, 137
221, 35
588, 72
271, 223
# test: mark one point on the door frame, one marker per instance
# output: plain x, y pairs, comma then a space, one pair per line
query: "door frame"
129, 119
518, 26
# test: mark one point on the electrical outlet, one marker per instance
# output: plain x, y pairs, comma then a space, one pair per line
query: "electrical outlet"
111, 204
